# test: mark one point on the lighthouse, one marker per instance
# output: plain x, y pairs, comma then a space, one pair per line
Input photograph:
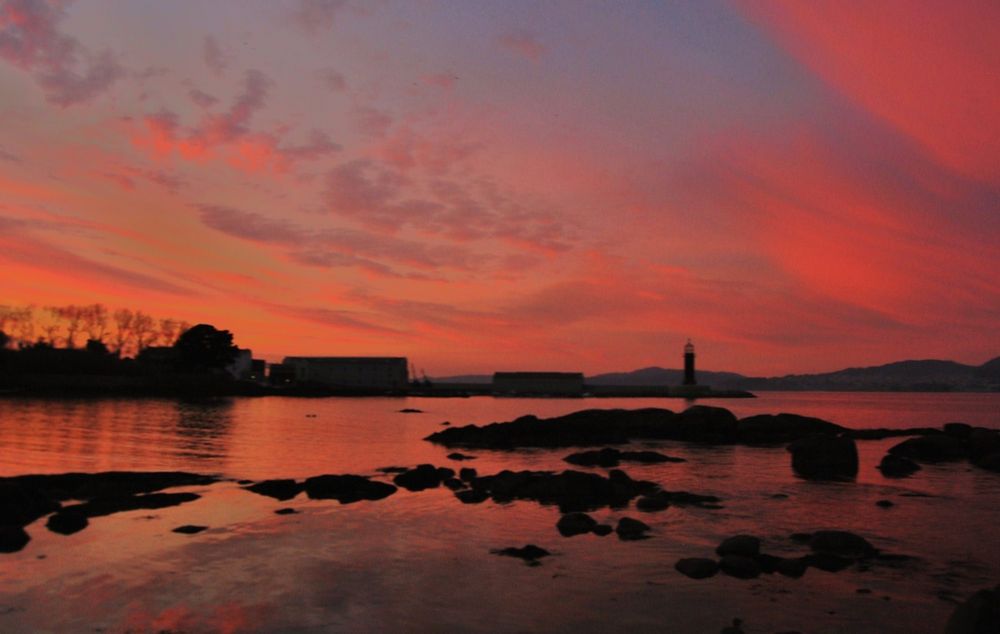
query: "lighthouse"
689, 364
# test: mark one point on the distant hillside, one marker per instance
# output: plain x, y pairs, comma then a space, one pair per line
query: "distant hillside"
902, 376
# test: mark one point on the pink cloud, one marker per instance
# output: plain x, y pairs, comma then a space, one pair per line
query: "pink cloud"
522, 43
215, 58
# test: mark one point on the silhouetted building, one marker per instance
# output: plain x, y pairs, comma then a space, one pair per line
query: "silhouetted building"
368, 373
258, 369
280, 374
538, 383
689, 364
241, 367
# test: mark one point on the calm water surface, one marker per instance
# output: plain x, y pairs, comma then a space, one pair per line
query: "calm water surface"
420, 561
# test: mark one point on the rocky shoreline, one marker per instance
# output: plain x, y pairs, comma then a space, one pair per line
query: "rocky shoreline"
818, 450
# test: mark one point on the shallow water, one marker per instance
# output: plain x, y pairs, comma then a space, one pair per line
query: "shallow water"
421, 561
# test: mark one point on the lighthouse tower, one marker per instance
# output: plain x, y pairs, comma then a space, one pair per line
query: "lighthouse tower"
689, 364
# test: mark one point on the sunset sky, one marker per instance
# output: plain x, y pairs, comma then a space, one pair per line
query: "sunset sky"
480, 186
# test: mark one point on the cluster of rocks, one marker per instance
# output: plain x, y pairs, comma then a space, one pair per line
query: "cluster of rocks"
741, 557
610, 457
530, 553
699, 423
572, 524
957, 441
346, 489
24, 499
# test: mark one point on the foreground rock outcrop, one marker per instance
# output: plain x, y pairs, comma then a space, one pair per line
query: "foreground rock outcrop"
572, 491
824, 457
980, 614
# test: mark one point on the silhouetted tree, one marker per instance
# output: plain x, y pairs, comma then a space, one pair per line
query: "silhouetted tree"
4, 340
123, 329
95, 321
206, 347
97, 347
144, 329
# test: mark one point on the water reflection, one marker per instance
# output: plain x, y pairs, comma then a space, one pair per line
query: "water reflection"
203, 428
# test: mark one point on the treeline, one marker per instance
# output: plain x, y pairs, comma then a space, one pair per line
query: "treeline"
123, 332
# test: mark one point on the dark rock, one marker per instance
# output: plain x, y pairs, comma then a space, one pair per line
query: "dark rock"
575, 524
67, 522
697, 567
702, 423
739, 566
980, 614
392, 469
603, 530
885, 504
21, 505
931, 448
768, 563
472, 496
897, 466
286, 511
422, 477
346, 488
990, 462
958, 430
101, 506
189, 529
827, 562
800, 538
244, 482
684, 498
983, 443
86, 486
779, 496
782, 428
743, 545
529, 553
793, 567
631, 529
881, 433
467, 474
648, 457
735, 628
460, 456
454, 484
824, 457
284, 489
12, 538
411, 410
445, 424
572, 491
841, 543
658, 501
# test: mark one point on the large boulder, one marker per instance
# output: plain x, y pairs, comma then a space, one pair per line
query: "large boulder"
575, 524
346, 488
422, 477
980, 614
697, 567
782, 428
12, 538
744, 545
631, 529
21, 505
931, 448
893, 466
842, 544
67, 522
824, 457
740, 567
281, 489
702, 423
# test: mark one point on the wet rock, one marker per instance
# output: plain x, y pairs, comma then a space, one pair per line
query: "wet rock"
697, 567
285, 511
422, 477
603, 530
571, 491
842, 544
244, 482
189, 529
467, 474
393, 469
101, 506
800, 538
21, 505
460, 456
931, 448
793, 567
885, 504
983, 443
86, 486
782, 428
283, 489
67, 522
575, 524
980, 614
739, 566
702, 423
472, 496
743, 545
958, 430
12, 538
411, 410
529, 553
631, 529
346, 488
824, 457
893, 466
655, 502
989, 462
454, 484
